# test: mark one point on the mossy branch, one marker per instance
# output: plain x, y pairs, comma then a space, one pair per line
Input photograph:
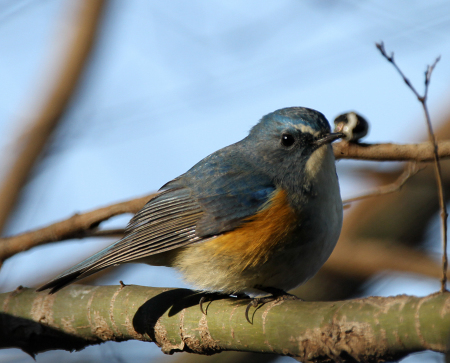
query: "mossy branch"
370, 330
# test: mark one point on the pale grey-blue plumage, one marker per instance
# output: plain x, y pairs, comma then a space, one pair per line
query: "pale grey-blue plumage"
265, 212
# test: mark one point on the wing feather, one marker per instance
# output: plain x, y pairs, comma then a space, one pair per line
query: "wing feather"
215, 196
166, 222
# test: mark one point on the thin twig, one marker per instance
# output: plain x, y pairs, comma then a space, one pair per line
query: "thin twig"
438, 172
409, 171
362, 258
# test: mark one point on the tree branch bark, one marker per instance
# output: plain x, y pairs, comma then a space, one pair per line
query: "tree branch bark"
369, 330
390, 152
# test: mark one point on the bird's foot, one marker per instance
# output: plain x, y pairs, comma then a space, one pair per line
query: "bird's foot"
203, 299
277, 296
217, 296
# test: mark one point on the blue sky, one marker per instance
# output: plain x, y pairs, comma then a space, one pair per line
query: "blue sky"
171, 82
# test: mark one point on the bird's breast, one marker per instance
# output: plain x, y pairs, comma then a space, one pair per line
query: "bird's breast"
260, 235
282, 245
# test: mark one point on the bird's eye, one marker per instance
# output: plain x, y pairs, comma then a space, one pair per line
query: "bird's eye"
287, 140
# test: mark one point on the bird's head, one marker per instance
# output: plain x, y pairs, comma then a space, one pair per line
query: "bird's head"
283, 141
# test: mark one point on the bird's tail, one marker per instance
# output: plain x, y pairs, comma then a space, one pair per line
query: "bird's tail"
84, 269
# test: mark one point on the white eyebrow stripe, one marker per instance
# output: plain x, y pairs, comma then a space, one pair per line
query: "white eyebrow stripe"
305, 128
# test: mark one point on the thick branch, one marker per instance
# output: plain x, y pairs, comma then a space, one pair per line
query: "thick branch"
35, 137
390, 152
368, 330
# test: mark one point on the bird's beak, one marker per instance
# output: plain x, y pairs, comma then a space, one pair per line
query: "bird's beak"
329, 138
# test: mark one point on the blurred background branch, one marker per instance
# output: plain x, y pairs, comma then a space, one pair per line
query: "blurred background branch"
77, 226
35, 135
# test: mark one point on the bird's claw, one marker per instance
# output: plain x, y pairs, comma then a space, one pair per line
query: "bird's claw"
210, 297
202, 300
275, 297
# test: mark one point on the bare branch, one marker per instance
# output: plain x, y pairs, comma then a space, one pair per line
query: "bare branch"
428, 73
344, 331
34, 138
77, 226
410, 170
390, 58
437, 164
390, 152
363, 258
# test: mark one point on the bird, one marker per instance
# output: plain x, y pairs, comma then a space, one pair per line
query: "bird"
352, 125
260, 216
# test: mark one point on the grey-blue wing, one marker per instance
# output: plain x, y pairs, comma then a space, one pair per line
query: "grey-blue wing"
215, 196
227, 187
166, 222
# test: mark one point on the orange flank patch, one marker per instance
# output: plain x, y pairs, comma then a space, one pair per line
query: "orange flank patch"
254, 241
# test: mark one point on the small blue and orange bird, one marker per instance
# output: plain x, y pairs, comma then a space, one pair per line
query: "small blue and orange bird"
260, 215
